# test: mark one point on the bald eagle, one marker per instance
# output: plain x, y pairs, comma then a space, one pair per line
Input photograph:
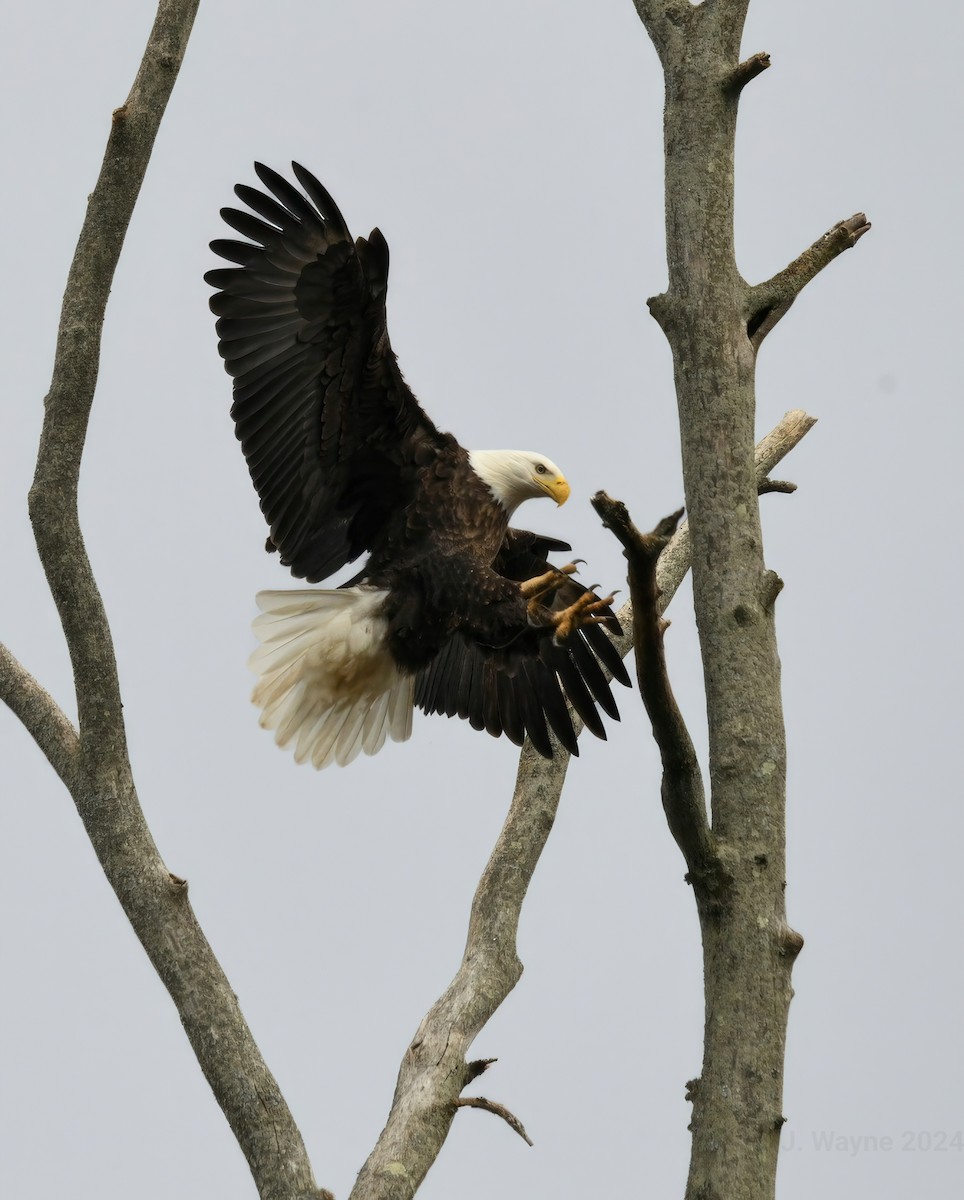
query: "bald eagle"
454, 610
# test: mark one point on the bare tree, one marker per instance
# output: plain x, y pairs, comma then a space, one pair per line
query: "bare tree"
735, 857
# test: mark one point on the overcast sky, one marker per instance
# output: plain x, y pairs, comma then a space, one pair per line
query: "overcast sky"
511, 154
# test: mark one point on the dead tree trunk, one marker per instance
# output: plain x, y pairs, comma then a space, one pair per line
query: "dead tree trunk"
714, 322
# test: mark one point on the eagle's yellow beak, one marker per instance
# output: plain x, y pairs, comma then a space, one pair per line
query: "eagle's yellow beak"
557, 488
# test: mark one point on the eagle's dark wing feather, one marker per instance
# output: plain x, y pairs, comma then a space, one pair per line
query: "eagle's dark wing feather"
328, 426
522, 689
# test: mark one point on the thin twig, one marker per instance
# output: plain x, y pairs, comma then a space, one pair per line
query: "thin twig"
674, 562
499, 1110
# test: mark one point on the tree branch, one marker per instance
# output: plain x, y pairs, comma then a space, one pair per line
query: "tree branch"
434, 1069
53, 496
748, 70
675, 560
498, 1110
769, 302
684, 799
41, 716
95, 765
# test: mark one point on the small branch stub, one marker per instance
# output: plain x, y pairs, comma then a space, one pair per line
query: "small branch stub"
772, 587
792, 943
478, 1065
660, 309
749, 69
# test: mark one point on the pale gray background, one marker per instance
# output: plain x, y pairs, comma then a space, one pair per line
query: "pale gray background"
511, 154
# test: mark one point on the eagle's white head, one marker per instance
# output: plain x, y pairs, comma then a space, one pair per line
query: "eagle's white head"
516, 475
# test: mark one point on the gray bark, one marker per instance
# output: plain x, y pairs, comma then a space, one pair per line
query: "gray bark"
714, 323
93, 759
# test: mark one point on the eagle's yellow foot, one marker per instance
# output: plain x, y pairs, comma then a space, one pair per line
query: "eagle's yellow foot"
533, 589
586, 610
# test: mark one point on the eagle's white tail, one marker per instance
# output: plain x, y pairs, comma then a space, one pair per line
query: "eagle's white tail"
326, 679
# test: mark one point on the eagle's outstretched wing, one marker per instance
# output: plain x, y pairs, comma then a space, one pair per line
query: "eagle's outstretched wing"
329, 428
345, 461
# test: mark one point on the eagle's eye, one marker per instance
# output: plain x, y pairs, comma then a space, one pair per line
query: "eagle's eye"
540, 469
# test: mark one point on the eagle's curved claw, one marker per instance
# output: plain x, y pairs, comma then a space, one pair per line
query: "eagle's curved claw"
585, 611
589, 609
533, 589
